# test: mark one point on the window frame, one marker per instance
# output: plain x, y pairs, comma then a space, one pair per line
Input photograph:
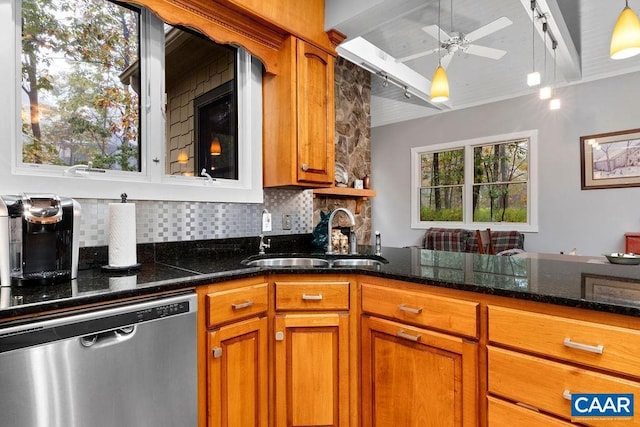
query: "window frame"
151, 183
468, 145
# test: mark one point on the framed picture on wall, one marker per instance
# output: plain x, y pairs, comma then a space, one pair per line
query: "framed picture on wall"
610, 160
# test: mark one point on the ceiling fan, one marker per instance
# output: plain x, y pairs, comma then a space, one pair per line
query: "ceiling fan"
459, 41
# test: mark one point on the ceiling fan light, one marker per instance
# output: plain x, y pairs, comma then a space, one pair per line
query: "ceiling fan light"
554, 104
533, 79
439, 85
625, 40
545, 92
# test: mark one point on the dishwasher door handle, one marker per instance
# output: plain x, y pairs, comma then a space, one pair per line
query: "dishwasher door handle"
106, 338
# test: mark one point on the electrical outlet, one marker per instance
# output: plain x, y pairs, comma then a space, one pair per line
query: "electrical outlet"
266, 221
286, 221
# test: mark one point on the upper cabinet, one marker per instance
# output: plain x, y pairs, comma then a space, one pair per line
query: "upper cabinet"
299, 118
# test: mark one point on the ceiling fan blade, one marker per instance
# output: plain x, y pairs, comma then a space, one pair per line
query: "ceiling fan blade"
491, 27
446, 59
433, 30
417, 55
485, 51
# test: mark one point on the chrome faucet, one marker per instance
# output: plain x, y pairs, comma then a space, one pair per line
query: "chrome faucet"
263, 245
352, 248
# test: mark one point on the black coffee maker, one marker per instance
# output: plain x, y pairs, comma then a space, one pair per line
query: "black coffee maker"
39, 236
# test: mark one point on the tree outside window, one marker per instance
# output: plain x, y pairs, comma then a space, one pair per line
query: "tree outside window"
77, 105
492, 178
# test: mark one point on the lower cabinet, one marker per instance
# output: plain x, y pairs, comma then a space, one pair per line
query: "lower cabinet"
312, 369
235, 345
237, 374
413, 377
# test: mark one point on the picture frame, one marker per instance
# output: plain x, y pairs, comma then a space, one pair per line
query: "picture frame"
610, 160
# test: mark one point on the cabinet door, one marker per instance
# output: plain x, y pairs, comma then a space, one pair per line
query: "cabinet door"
413, 377
312, 370
237, 374
316, 114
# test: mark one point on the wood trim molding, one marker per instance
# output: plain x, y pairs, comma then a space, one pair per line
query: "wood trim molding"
222, 25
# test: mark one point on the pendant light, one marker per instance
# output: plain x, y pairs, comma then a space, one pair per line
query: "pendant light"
545, 91
533, 78
214, 148
440, 81
625, 40
554, 104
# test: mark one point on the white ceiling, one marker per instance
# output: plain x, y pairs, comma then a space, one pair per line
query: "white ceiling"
582, 28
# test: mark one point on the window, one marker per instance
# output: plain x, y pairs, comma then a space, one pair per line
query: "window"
486, 182
94, 96
80, 84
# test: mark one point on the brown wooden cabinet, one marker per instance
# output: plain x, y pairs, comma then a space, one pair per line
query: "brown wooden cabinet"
236, 355
576, 356
299, 118
415, 377
237, 374
311, 353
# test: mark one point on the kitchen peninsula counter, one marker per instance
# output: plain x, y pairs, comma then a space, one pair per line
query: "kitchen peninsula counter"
591, 284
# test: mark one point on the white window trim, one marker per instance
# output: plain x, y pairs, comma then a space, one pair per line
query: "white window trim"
152, 183
468, 144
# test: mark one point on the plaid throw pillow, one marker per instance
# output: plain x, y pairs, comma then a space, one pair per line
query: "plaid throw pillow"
449, 241
505, 240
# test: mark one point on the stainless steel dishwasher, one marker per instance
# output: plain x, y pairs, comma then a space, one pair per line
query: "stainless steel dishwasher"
131, 365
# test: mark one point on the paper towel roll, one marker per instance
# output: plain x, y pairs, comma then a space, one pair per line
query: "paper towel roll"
122, 234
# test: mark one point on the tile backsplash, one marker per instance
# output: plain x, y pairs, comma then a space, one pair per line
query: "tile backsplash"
164, 221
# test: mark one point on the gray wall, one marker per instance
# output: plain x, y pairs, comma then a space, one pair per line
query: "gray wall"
593, 221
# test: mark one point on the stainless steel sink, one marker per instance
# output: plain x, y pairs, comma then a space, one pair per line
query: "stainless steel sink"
356, 262
286, 262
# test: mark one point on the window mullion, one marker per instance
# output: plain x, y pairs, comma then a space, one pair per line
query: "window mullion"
467, 192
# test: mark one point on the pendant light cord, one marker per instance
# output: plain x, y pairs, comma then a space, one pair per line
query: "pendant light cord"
439, 31
533, 36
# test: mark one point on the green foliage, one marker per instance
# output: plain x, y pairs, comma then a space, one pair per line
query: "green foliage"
84, 112
518, 215
430, 214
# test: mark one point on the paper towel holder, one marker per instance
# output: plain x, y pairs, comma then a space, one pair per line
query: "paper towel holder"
126, 268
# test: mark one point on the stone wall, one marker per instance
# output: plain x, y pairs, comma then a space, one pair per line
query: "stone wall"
353, 140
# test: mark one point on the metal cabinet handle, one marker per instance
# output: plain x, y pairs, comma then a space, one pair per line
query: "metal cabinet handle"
598, 349
566, 395
242, 305
407, 309
312, 297
305, 166
403, 334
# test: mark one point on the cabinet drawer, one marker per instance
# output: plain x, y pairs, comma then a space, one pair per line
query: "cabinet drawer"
232, 304
442, 313
547, 385
312, 296
594, 344
503, 413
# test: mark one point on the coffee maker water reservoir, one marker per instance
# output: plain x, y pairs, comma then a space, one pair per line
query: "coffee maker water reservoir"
39, 236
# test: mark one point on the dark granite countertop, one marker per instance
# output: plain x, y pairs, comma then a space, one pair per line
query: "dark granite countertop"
592, 284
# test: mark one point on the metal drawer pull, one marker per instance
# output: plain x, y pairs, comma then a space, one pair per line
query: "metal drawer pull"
408, 309
242, 305
403, 334
566, 395
585, 347
312, 297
